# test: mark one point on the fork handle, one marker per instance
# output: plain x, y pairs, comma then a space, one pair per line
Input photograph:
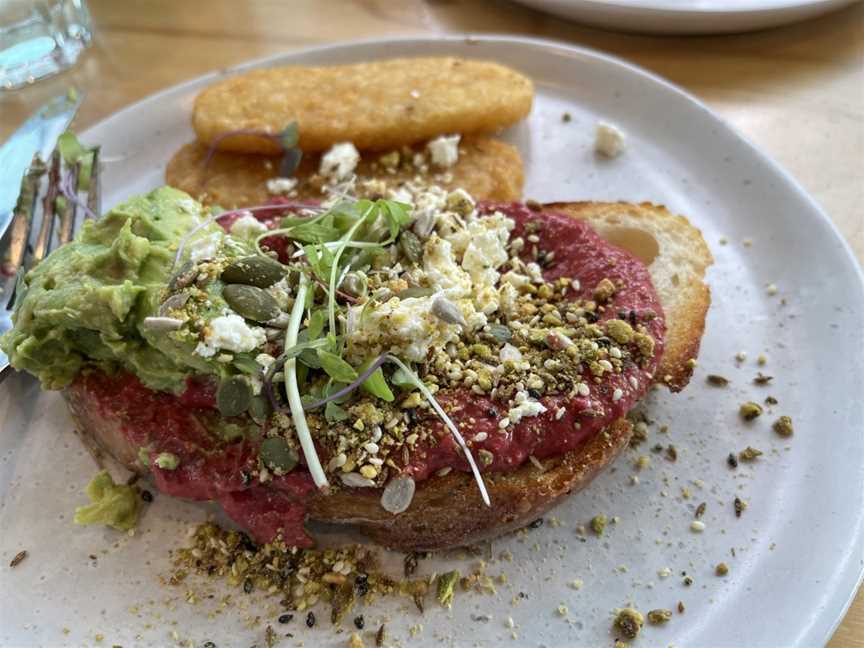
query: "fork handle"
22, 216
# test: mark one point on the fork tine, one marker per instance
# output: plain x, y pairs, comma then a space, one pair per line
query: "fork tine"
67, 213
22, 217
46, 229
94, 193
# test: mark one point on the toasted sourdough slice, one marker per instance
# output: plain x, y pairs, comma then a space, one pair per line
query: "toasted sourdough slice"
487, 168
447, 511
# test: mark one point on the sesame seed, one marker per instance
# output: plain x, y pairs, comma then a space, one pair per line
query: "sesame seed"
480, 436
697, 526
741, 356
634, 383
605, 364
560, 413
371, 448
615, 352
617, 394
503, 423
772, 289
583, 389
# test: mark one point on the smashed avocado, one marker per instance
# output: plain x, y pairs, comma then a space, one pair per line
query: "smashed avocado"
85, 303
114, 505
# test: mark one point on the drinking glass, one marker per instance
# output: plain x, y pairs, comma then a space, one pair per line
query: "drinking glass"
39, 38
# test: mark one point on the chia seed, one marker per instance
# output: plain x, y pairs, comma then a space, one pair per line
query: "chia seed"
147, 496
310, 620
286, 618
359, 622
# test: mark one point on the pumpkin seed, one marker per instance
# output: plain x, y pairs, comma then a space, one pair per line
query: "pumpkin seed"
278, 455
500, 332
257, 270
251, 302
415, 292
411, 246
185, 276
260, 408
233, 396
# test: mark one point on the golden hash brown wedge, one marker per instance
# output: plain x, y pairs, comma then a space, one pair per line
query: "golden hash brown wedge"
487, 168
448, 511
378, 105
677, 257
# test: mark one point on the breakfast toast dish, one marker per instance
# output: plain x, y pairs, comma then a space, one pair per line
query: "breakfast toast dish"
384, 339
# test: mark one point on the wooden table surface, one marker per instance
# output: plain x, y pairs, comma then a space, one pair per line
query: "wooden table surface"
797, 92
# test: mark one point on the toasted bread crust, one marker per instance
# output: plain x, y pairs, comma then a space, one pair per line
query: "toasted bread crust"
448, 511
677, 266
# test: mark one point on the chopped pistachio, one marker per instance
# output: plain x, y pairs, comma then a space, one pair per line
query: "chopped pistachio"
749, 454
604, 290
446, 584
750, 410
783, 426
628, 622
717, 381
598, 524
722, 569
658, 617
620, 331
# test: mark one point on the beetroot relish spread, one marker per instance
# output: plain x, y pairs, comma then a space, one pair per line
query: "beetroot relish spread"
212, 468
579, 253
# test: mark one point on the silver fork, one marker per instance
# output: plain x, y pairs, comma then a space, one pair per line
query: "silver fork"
29, 245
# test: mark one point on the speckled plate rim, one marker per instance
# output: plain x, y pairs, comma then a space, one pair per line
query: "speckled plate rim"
845, 579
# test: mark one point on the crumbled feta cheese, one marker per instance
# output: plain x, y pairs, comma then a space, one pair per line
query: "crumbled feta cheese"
280, 186
444, 150
265, 360
609, 140
461, 202
339, 162
204, 247
443, 271
230, 332
511, 353
525, 407
247, 227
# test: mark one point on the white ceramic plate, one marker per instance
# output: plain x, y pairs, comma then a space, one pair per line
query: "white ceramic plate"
798, 546
687, 16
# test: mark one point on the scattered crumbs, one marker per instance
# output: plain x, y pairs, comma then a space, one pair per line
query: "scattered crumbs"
680, 607
643, 462
664, 429
741, 356
732, 460
783, 426
99, 637
772, 546
671, 453
762, 360
762, 379
723, 240
554, 522
506, 555
659, 617
739, 506
747, 242
18, 559
415, 629
634, 479
687, 581
561, 610
700, 510
665, 572
771, 289
609, 140
770, 400
750, 411
697, 526
749, 454
628, 622
381, 636
355, 641
717, 381
66, 631
576, 583
722, 569
566, 117
598, 524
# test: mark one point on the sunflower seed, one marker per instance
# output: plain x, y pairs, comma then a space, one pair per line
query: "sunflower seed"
397, 495
233, 396
257, 270
447, 311
161, 323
